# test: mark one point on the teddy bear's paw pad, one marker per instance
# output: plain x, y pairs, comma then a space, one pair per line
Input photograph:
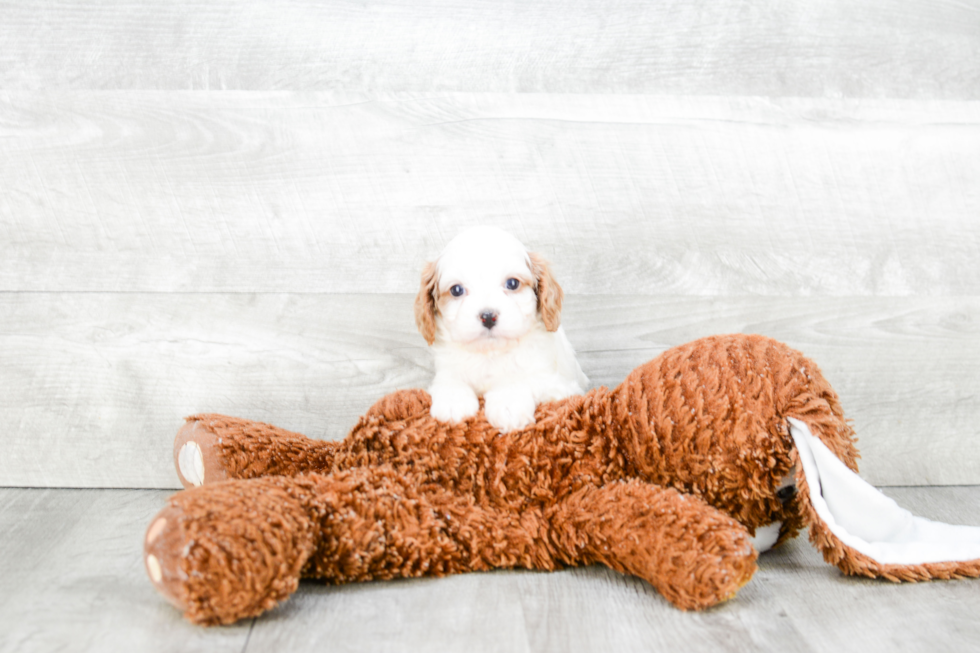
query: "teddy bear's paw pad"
196, 455
162, 565
190, 462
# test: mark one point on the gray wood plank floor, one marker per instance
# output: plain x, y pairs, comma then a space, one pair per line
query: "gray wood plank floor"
72, 579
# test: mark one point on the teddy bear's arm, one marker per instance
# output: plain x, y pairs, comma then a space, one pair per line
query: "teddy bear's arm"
234, 549
693, 554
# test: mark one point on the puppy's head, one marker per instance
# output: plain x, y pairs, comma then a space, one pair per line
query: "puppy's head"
486, 290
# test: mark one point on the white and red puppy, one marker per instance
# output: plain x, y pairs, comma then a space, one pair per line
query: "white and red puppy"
492, 313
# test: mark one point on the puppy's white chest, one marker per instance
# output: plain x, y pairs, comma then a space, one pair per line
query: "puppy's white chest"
484, 371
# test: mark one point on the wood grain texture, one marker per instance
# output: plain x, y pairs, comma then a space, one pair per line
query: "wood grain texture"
830, 48
272, 192
825, 608
93, 386
73, 580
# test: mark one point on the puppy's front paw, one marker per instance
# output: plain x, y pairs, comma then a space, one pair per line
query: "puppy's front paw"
509, 410
453, 404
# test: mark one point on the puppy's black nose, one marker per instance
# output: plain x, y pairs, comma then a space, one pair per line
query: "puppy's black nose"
489, 318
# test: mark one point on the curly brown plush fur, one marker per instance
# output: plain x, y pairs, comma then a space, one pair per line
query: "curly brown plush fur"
664, 477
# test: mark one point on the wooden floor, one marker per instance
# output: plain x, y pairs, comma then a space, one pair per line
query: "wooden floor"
73, 580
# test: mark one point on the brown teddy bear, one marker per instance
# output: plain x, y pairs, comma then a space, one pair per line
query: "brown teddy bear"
668, 477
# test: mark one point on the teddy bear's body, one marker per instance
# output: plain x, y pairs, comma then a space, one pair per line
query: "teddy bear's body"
664, 477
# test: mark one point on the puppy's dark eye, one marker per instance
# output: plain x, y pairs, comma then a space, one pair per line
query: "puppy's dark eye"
456, 290
513, 284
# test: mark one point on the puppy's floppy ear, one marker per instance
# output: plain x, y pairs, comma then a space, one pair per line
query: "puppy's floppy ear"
425, 303
549, 292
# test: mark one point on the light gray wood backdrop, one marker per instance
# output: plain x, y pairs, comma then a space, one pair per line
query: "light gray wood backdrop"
224, 206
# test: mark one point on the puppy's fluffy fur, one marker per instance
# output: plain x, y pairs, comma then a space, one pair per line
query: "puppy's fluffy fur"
492, 313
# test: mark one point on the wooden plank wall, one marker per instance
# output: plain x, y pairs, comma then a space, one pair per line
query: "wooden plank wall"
224, 206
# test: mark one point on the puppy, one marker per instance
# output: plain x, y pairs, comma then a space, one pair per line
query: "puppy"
491, 312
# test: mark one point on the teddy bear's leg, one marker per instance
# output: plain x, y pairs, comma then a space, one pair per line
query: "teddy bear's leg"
212, 448
231, 550
693, 554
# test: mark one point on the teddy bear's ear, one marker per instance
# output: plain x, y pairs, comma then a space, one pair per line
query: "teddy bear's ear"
425, 303
549, 293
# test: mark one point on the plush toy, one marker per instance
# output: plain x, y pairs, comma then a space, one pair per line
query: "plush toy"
700, 457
